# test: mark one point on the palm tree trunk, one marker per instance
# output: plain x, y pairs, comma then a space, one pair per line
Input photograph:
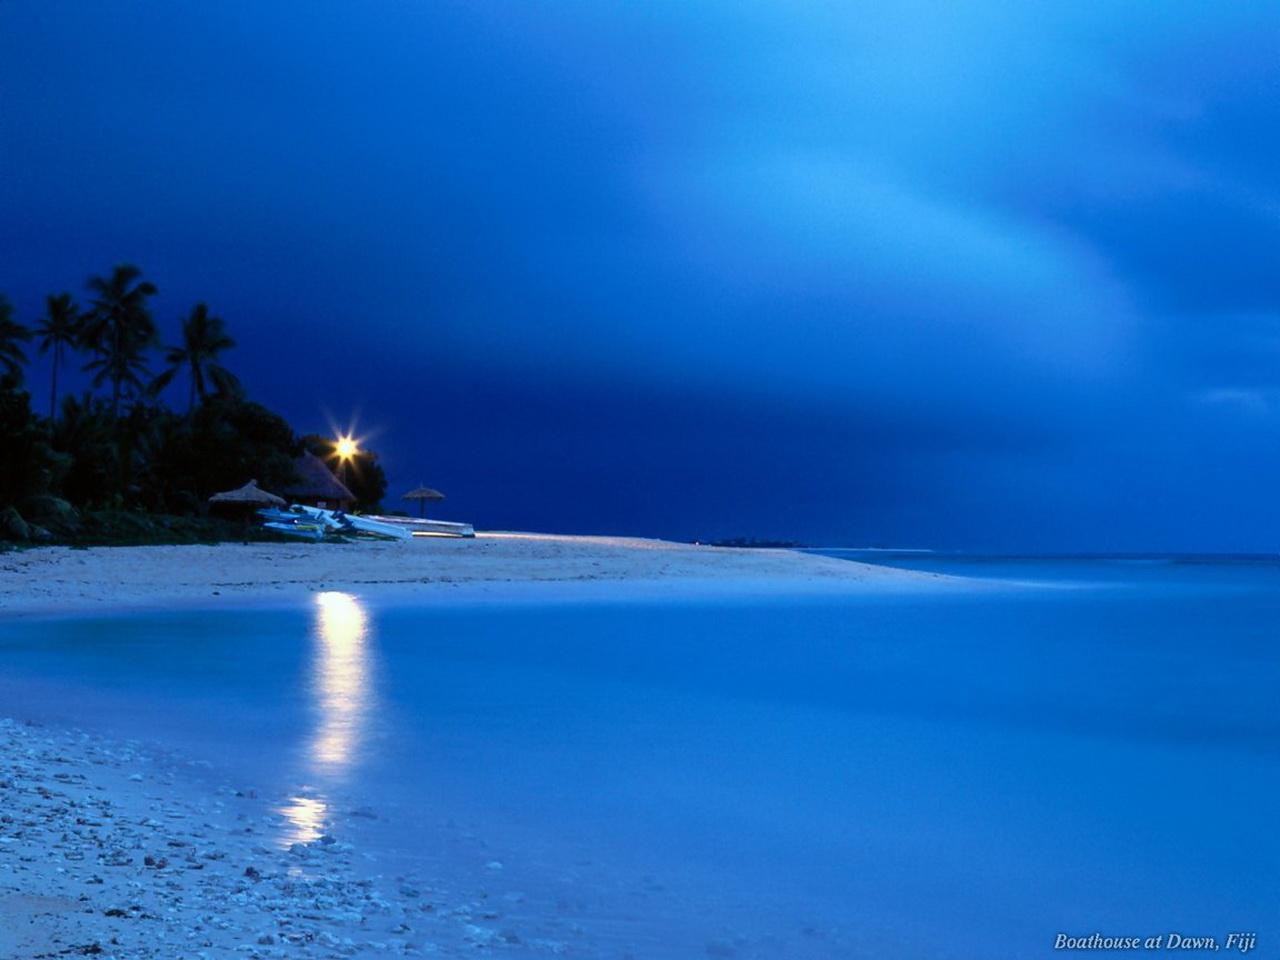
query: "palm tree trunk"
53, 388
197, 381
115, 376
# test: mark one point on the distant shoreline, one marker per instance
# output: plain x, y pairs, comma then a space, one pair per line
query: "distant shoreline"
514, 566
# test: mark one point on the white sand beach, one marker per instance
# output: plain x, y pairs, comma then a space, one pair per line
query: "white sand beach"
107, 849
66, 580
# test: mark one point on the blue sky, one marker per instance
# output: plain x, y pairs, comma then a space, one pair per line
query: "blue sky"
980, 275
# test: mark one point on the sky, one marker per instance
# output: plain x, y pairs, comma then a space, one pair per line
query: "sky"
970, 276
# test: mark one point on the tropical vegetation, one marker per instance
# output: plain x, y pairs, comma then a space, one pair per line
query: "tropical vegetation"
115, 463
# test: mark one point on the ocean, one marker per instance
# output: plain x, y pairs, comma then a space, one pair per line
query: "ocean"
1071, 746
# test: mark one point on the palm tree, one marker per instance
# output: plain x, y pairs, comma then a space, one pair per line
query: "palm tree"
84, 433
203, 338
12, 334
118, 328
58, 329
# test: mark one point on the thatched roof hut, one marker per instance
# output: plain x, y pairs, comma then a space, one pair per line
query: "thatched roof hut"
316, 484
422, 494
251, 494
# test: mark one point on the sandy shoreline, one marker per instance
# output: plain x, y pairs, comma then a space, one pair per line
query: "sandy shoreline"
61, 580
112, 849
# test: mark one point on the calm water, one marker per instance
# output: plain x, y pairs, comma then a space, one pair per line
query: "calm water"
945, 775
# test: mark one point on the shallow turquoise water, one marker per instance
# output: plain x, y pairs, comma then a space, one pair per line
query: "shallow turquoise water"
928, 775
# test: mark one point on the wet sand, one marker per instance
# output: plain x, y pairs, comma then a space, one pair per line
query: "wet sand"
107, 849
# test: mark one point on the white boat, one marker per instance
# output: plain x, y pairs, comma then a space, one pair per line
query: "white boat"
306, 531
367, 525
421, 527
327, 517
337, 520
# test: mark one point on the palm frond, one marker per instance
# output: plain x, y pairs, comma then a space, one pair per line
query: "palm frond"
161, 381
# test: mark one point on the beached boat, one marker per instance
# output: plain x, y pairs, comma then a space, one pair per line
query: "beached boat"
326, 517
391, 528
366, 525
348, 523
421, 527
279, 515
304, 531
292, 522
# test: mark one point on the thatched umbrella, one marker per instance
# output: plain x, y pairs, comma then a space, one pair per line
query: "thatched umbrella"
422, 495
250, 493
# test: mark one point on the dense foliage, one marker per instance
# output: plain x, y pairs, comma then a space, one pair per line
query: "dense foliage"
115, 463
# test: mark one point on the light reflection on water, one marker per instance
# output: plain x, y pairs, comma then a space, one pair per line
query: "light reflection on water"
340, 680
342, 693
306, 816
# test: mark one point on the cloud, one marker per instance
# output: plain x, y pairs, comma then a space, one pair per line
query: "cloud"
1253, 402
895, 264
962, 259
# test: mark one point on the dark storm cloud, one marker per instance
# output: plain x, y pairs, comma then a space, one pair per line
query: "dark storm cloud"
921, 273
